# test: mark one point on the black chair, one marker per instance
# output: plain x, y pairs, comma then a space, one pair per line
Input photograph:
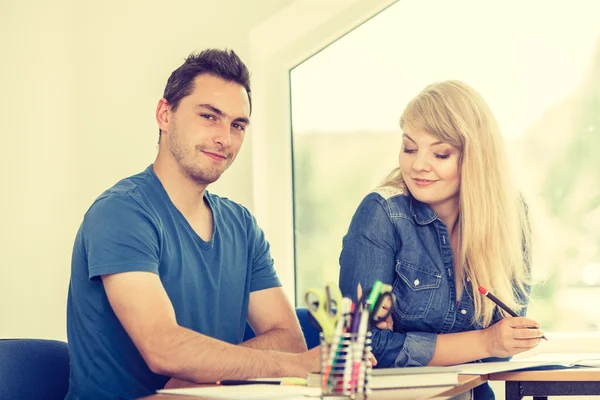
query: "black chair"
33, 369
310, 331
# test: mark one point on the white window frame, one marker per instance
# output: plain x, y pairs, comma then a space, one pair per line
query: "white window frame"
276, 46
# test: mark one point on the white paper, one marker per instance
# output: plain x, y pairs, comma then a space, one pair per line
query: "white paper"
493, 367
254, 391
567, 359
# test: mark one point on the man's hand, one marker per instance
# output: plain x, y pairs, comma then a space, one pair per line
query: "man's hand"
175, 383
313, 359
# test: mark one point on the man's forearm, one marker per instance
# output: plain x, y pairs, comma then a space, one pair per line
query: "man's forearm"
288, 340
187, 355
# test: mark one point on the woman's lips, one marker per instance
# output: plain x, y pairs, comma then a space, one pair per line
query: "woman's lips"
423, 182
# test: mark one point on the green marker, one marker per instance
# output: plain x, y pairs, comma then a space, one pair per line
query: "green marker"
374, 295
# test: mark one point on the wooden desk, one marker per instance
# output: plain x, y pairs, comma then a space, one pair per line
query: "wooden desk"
467, 382
557, 382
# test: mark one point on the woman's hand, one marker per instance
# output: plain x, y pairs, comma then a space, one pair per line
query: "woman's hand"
512, 335
387, 322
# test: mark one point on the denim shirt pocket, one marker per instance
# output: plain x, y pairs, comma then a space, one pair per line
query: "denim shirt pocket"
414, 288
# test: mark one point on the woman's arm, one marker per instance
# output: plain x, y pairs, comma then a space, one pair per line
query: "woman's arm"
369, 248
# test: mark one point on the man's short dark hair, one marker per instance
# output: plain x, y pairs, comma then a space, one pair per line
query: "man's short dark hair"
224, 64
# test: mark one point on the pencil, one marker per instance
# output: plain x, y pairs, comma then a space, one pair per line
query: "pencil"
500, 304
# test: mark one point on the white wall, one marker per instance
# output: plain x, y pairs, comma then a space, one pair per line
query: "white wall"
37, 166
80, 81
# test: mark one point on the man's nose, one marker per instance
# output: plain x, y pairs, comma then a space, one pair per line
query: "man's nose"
222, 134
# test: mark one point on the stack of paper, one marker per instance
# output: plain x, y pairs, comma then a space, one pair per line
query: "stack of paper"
393, 378
390, 378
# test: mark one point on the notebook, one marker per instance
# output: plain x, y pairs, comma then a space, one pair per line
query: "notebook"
393, 378
539, 361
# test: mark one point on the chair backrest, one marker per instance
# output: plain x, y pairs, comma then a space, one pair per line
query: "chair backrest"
310, 331
33, 369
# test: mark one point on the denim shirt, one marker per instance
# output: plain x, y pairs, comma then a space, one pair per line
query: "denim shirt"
399, 240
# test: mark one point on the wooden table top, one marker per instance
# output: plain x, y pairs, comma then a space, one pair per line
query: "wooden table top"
466, 382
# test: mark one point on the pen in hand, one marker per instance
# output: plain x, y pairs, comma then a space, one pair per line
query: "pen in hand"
500, 304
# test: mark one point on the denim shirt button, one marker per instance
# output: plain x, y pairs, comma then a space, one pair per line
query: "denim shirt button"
416, 282
463, 311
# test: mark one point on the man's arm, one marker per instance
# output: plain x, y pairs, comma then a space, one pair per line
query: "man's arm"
145, 311
274, 321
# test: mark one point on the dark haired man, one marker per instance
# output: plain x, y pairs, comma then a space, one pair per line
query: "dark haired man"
165, 274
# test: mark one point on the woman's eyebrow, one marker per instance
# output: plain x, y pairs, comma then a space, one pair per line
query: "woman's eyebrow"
409, 138
432, 144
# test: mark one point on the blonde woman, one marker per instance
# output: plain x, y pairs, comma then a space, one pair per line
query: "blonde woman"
443, 223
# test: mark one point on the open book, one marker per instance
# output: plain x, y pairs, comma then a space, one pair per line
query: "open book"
567, 359
539, 361
392, 378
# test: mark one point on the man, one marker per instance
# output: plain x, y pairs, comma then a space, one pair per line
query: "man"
165, 274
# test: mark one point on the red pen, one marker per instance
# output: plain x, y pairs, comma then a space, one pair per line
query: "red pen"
500, 304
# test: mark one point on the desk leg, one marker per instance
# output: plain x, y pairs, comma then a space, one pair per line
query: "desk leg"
513, 390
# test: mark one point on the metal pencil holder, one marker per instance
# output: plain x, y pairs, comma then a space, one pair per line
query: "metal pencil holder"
345, 366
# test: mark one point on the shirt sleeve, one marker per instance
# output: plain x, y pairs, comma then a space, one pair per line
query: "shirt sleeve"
263, 271
119, 236
369, 254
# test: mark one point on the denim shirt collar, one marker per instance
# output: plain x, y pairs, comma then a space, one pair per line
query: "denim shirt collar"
422, 213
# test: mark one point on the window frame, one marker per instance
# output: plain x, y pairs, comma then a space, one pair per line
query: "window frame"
275, 47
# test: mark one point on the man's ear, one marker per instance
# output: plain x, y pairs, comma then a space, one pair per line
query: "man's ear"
163, 113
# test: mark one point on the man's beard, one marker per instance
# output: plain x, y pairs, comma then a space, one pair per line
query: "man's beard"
202, 176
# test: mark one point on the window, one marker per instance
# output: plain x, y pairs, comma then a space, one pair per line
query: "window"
538, 66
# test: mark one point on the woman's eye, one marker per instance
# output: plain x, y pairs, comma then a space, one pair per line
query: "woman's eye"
442, 156
409, 151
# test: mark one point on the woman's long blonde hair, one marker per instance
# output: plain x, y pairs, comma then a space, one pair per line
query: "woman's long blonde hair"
492, 221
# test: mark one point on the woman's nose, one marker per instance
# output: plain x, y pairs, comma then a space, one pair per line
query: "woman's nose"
421, 163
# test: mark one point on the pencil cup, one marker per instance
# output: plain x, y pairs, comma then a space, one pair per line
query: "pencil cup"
345, 366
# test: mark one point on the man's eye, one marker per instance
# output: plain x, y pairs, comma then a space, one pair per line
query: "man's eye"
208, 116
239, 127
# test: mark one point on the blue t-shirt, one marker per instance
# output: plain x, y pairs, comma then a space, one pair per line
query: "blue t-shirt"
134, 226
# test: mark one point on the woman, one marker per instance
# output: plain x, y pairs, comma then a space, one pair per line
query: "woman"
443, 223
